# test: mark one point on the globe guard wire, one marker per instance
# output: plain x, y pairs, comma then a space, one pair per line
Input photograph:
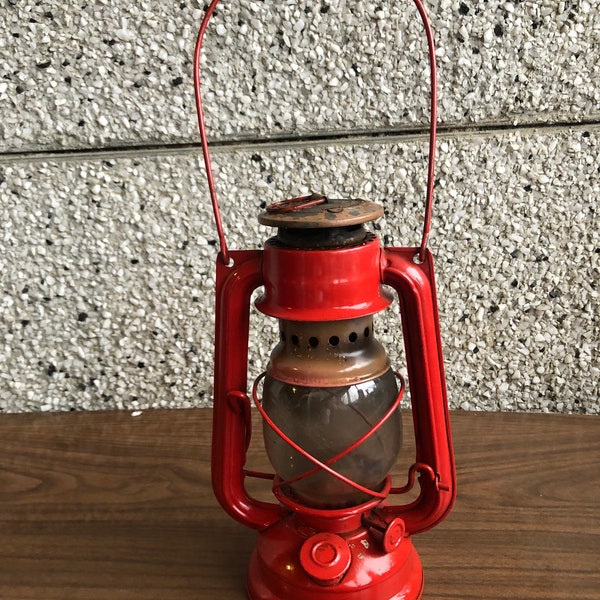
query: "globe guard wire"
325, 466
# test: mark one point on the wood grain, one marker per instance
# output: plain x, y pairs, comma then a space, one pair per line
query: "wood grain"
109, 506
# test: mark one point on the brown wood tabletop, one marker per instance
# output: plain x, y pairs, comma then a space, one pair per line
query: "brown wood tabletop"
107, 505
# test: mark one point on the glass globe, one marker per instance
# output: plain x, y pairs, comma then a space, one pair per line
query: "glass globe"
325, 421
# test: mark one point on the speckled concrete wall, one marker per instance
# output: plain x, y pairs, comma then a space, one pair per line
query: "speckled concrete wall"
107, 244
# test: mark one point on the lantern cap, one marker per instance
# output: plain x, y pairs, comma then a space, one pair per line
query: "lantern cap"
316, 211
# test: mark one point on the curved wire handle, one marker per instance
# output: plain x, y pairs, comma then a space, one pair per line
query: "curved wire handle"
224, 252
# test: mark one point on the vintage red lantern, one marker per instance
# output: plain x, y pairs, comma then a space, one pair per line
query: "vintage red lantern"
330, 400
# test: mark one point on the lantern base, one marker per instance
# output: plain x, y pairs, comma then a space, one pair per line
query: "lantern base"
292, 561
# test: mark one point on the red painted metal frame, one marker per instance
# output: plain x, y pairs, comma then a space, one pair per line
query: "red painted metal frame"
231, 413
415, 286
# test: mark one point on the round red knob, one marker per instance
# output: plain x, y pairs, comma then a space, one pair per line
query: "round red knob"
393, 535
325, 557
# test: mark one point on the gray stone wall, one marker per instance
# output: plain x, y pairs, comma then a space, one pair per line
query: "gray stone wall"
107, 243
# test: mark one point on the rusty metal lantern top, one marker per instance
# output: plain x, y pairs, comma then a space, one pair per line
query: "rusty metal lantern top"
319, 212
315, 221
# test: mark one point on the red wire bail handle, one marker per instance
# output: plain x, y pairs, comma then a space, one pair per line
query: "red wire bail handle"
224, 252
326, 466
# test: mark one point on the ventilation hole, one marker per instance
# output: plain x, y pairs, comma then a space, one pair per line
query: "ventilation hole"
334, 340
313, 342
367, 332
353, 337
295, 340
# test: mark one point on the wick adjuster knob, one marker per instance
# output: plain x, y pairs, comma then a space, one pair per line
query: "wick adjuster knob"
325, 557
388, 533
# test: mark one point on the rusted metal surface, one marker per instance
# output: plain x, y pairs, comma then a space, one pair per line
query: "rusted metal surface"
328, 353
325, 214
322, 239
298, 203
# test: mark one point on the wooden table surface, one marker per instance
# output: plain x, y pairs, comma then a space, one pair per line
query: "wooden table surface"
112, 506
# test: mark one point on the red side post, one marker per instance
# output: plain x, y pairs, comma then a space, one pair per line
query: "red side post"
231, 413
415, 286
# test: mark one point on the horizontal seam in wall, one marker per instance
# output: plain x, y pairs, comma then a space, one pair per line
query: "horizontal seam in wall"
383, 136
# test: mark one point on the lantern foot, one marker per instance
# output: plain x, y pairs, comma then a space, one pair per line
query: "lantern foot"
294, 562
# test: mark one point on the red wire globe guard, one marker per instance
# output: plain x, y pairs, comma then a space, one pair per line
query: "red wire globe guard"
291, 561
326, 466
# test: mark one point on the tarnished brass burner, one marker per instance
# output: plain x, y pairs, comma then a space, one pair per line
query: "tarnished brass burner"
328, 353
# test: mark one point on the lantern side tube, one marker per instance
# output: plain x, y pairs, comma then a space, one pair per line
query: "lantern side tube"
231, 412
415, 286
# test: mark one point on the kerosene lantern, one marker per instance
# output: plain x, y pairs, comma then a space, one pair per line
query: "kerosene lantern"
330, 400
